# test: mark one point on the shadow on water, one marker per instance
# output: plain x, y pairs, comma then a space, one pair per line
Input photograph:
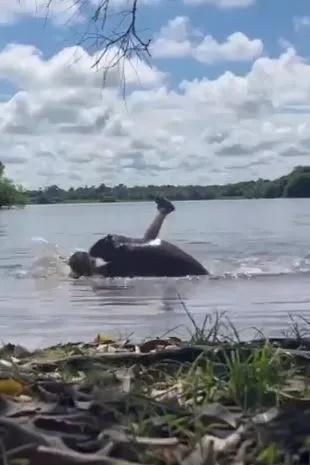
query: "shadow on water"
164, 292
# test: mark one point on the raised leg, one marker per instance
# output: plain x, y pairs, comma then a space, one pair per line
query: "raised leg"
113, 247
164, 208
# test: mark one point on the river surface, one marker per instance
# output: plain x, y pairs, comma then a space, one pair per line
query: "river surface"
257, 251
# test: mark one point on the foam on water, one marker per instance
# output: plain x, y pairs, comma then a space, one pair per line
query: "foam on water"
259, 265
49, 260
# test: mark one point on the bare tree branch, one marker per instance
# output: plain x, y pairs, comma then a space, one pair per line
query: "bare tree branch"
112, 34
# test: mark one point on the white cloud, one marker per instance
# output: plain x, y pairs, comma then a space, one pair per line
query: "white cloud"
70, 68
117, 4
300, 22
223, 4
177, 29
237, 47
61, 127
167, 48
174, 39
59, 11
178, 39
284, 43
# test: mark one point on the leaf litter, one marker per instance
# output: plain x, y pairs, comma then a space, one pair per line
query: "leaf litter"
164, 401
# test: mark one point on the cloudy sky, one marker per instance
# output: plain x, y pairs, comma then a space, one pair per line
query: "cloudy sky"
227, 97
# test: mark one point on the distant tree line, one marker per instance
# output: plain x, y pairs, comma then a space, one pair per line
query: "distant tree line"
9, 193
295, 184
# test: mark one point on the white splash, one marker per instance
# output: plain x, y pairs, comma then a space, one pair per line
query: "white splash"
48, 260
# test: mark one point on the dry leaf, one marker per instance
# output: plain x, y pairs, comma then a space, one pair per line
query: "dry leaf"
102, 339
211, 443
11, 387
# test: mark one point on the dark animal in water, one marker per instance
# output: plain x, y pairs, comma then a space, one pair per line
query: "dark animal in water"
135, 257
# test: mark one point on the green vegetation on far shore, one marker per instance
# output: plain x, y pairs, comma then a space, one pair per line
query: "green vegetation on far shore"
9, 193
295, 184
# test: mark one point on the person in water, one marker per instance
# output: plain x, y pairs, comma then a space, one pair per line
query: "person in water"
129, 257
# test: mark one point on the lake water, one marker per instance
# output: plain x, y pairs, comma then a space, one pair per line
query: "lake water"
257, 251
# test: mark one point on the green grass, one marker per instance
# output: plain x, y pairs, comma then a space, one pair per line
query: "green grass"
255, 380
270, 455
251, 377
215, 328
250, 380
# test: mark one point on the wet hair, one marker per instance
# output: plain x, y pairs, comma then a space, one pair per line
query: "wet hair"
81, 264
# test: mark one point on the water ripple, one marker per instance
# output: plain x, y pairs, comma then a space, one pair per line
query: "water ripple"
260, 268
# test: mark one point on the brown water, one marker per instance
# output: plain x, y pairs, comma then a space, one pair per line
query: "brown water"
256, 250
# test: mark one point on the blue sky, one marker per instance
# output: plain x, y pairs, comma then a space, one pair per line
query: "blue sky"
227, 97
